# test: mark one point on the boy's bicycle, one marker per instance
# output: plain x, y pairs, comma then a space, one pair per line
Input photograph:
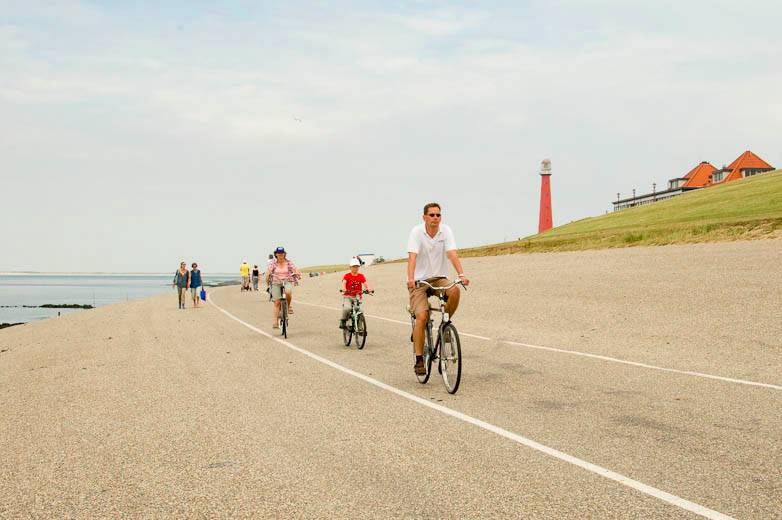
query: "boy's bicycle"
356, 324
447, 349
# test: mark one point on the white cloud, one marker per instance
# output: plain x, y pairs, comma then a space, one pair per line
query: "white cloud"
59, 11
441, 23
399, 93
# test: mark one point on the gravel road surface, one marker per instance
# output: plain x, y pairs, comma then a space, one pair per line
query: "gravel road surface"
662, 365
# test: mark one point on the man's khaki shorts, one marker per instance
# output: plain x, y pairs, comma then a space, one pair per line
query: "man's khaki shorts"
419, 301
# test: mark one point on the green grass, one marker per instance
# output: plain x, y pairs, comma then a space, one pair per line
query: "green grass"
325, 268
740, 210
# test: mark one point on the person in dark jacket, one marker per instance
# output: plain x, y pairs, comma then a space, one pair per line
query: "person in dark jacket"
182, 282
255, 277
195, 284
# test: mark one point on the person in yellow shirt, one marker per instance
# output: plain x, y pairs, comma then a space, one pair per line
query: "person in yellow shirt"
244, 270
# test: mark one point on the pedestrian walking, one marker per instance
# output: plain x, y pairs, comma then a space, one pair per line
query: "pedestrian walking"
256, 276
181, 282
196, 283
244, 271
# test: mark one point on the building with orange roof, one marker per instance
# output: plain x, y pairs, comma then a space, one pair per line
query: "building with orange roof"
745, 165
701, 176
698, 177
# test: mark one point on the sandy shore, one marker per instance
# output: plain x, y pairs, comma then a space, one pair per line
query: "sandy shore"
142, 410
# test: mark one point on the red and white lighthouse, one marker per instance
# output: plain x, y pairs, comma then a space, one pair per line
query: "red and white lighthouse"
545, 221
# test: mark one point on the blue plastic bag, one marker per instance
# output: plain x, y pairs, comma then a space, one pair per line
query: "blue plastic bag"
203, 294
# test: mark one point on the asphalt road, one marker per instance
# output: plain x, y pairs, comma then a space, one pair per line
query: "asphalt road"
638, 383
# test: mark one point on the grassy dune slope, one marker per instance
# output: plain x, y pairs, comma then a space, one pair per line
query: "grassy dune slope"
325, 268
740, 210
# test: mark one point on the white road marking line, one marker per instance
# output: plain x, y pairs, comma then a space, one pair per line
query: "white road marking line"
593, 468
583, 354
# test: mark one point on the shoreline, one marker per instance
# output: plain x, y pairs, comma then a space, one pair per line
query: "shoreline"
36, 273
75, 307
6, 325
50, 306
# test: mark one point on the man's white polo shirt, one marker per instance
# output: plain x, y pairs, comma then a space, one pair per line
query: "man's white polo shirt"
431, 260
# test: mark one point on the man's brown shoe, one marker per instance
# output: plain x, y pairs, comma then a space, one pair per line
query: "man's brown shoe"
420, 368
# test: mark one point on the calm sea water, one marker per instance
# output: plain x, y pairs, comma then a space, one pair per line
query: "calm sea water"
96, 290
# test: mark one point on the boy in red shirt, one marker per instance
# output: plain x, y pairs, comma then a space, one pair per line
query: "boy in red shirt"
353, 283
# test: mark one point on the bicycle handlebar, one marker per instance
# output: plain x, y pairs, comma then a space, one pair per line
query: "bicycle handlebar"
363, 292
445, 288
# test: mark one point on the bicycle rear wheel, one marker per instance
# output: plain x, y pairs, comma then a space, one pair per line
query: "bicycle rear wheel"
284, 318
361, 331
450, 358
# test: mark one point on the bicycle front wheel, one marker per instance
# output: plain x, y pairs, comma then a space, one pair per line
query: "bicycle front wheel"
284, 318
450, 358
361, 331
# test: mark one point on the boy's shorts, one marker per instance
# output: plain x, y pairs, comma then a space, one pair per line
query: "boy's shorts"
419, 301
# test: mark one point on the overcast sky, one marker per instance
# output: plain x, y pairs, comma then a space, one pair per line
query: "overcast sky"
132, 137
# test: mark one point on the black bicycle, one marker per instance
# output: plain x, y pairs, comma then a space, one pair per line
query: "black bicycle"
283, 320
447, 349
284, 317
356, 324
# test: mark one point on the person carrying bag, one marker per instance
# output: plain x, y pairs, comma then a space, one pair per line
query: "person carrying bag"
196, 285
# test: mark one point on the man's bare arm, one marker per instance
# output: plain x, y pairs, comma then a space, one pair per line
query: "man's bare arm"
453, 256
411, 257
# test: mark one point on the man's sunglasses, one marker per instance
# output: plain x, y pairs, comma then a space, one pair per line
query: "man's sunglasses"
433, 215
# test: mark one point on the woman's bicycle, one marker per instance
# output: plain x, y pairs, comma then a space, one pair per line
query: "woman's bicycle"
283, 319
284, 316
356, 324
447, 349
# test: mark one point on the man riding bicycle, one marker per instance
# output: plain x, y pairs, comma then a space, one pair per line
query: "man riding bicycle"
281, 275
430, 247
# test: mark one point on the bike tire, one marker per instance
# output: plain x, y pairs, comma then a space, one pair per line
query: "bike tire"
361, 331
284, 318
450, 362
428, 355
347, 335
